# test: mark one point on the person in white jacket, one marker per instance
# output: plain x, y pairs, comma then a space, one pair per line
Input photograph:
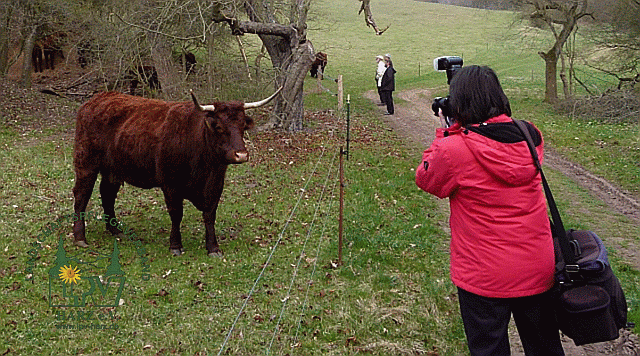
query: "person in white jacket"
379, 73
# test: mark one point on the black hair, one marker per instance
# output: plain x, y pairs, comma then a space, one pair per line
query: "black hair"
475, 95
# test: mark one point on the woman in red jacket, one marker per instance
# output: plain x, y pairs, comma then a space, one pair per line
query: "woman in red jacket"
502, 257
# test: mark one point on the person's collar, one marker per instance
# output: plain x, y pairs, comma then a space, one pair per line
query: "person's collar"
499, 118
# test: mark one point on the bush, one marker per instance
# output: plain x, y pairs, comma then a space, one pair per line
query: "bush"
613, 106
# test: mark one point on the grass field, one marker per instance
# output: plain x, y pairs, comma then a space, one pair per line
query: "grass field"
278, 289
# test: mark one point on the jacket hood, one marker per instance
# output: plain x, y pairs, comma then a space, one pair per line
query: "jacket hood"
505, 156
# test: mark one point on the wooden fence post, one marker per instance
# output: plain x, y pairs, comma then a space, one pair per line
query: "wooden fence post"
340, 94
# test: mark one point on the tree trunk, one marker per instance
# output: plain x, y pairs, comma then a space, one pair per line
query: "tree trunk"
563, 77
27, 66
290, 51
4, 41
551, 85
168, 73
288, 110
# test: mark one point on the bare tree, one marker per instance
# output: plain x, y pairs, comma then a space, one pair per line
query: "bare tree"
291, 53
6, 15
561, 18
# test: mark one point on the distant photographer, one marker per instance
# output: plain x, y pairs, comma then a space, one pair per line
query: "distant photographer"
502, 256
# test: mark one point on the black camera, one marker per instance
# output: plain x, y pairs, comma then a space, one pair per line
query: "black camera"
449, 64
443, 104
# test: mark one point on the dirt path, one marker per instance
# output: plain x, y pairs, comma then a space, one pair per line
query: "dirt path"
415, 121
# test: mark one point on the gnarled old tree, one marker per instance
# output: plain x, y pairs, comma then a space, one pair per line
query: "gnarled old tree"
561, 18
290, 51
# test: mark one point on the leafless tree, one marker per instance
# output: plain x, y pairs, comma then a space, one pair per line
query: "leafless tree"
291, 53
30, 19
561, 18
617, 44
6, 15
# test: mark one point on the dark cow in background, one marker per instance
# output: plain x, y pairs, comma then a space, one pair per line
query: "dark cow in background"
145, 75
317, 67
189, 62
182, 147
87, 51
47, 51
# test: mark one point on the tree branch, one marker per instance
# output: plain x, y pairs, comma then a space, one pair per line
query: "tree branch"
239, 28
259, 28
368, 17
157, 32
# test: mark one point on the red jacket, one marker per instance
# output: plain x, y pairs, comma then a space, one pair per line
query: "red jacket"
501, 245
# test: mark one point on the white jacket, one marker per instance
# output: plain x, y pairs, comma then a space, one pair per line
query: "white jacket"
380, 72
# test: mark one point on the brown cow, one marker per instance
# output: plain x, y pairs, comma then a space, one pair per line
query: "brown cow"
47, 51
317, 67
182, 147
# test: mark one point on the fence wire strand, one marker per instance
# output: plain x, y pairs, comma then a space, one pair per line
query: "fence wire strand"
302, 253
313, 271
273, 249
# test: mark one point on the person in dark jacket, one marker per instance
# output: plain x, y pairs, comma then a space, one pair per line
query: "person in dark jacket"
502, 255
388, 84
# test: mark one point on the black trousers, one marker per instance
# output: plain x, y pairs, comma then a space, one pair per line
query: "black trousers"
486, 323
387, 99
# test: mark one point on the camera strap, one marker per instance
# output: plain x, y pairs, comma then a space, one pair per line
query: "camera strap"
568, 254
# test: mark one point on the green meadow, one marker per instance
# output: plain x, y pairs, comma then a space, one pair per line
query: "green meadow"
279, 288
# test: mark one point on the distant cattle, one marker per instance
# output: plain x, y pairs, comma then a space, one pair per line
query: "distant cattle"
47, 51
317, 67
189, 62
87, 52
183, 148
145, 75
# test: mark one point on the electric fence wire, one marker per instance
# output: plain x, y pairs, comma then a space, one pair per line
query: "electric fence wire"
324, 88
302, 253
313, 271
273, 249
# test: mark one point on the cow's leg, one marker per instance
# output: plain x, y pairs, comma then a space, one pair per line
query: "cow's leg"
174, 207
85, 180
211, 242
209, 214
108, 192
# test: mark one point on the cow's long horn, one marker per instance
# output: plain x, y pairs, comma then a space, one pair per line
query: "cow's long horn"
258, 104
201, 107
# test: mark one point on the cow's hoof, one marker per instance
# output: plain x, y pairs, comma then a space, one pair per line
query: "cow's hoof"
115, 232
81, 243
177, 251
217, 254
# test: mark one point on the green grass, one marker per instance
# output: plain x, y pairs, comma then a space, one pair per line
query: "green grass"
392, 295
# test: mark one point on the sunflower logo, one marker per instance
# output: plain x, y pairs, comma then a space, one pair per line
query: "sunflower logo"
69, 274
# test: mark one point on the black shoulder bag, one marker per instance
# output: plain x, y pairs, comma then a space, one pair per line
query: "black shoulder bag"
590, 304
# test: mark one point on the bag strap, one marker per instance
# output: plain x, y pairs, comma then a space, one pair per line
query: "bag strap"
568, 254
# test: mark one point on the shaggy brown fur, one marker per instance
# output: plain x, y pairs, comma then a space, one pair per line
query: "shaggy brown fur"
151, 143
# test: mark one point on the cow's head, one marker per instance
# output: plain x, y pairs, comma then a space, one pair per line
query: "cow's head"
227, 122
